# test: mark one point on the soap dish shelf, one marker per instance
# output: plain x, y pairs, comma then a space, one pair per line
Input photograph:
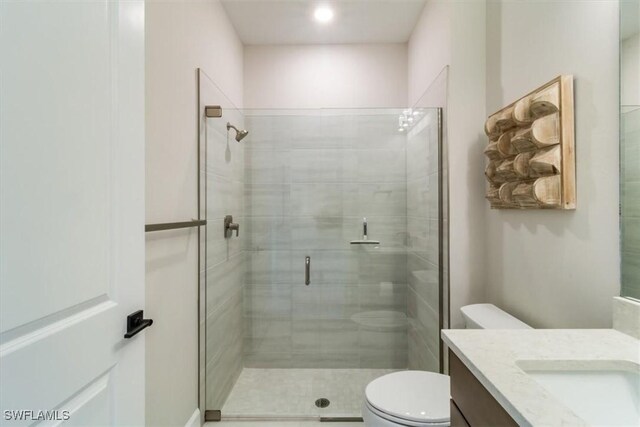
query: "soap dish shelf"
365, 242
365, 239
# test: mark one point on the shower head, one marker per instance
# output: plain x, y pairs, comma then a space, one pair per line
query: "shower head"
240, 134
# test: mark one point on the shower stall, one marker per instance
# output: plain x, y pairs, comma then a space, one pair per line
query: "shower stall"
335, 270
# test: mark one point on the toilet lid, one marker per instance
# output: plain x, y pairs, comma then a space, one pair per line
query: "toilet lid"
417, 396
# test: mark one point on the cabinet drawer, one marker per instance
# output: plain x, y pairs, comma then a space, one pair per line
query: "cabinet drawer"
475, 403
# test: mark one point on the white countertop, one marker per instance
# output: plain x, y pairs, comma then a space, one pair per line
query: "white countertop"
491, 355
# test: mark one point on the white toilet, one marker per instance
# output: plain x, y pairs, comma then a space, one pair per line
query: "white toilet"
421, 398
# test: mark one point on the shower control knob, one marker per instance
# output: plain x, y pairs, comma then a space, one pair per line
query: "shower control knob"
230, 226
236, 227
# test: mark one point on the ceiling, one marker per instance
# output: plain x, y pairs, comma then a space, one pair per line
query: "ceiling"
260, 22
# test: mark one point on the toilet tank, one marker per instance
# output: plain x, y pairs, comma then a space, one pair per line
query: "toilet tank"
488, 316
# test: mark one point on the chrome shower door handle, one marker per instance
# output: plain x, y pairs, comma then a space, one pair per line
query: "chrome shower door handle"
307, 270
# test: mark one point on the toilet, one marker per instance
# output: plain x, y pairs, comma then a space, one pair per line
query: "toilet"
421, 398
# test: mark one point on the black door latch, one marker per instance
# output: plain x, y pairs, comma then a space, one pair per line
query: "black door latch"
135, 323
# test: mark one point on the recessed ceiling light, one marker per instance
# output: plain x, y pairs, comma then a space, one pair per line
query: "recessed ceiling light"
323, 14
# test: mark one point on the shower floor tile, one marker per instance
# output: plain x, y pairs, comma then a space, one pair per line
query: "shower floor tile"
293, 392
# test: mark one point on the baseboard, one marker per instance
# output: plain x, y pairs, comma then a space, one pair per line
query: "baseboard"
194, 421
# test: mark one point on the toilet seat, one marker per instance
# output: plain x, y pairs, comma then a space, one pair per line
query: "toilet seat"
394, 420
410, 398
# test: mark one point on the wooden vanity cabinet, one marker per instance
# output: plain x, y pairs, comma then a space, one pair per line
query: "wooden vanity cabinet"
457, 419
471, 404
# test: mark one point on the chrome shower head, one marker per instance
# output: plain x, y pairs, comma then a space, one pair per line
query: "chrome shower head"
240, 134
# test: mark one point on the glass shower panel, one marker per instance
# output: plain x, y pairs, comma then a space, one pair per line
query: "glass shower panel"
222, 273
423, 243
630, 200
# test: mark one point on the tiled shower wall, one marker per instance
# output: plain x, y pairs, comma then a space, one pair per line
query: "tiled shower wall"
422, 243
630, 198
310, 179
225, 260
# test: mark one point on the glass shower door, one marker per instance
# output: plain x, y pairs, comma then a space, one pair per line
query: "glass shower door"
312, 180
334, 279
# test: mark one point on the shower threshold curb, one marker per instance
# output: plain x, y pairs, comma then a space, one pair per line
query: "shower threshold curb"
322, 419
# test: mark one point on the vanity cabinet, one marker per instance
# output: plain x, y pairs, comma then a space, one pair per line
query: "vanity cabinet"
457, 419
471, 404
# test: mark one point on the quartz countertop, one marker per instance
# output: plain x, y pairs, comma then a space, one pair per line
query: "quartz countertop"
491, 355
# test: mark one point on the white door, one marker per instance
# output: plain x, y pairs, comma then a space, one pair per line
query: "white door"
72, 211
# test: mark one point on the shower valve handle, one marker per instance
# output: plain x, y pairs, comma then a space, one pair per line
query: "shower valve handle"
236, 227
230, 226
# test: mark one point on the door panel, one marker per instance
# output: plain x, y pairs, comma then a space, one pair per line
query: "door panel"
72, 209
56, 139
47, 357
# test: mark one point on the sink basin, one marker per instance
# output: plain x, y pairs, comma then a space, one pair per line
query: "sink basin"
602, 393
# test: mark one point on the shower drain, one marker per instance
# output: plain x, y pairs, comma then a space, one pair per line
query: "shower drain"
322, 402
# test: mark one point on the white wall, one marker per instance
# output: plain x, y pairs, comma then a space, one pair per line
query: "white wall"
630, 52
180, 37
429, 49
325, 76
559, 269
453, 34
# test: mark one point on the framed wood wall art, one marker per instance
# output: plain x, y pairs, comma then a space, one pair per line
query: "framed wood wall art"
531, 150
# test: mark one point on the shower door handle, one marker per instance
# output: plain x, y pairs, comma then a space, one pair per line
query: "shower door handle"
307, 270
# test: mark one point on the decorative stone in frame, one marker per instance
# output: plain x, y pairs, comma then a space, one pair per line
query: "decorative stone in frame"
531, 150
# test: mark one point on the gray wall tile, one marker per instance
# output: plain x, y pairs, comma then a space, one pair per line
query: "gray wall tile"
310, 179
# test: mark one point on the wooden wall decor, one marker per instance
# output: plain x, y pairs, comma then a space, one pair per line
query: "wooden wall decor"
531, 150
